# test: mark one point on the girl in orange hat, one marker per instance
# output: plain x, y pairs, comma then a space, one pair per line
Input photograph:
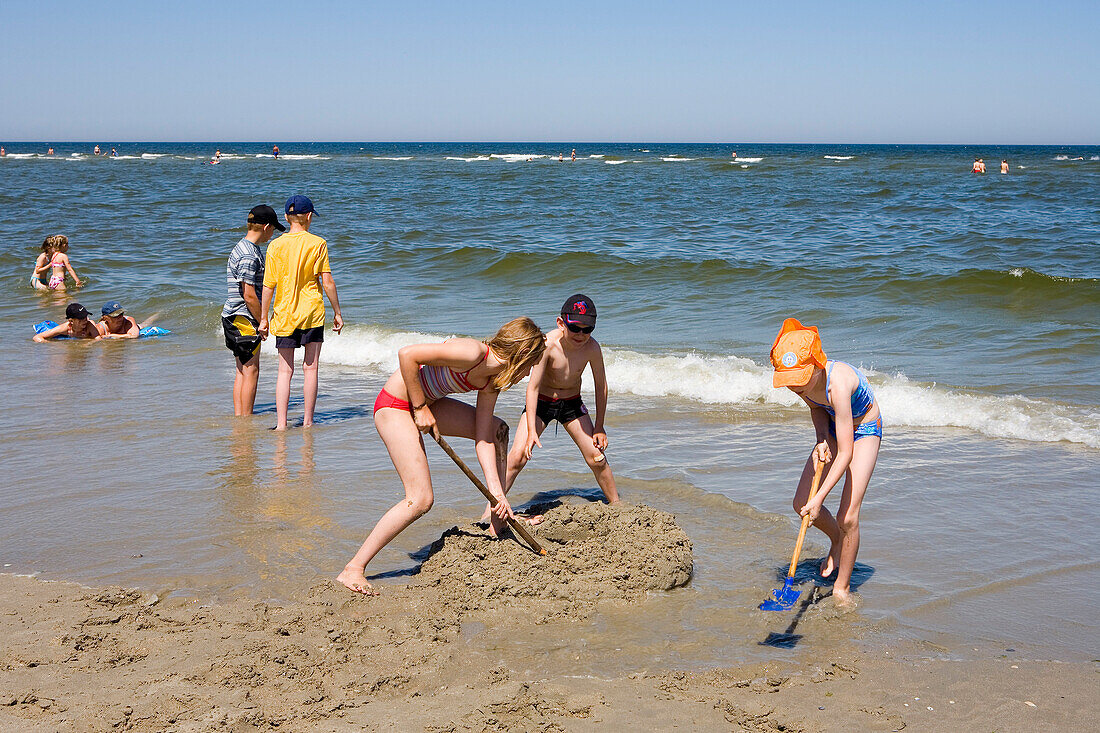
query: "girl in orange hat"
848, 423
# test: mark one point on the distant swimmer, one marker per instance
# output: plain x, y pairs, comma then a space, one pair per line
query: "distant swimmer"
49, 152
733, 155
1004, 166
96, 151
560, 157
977, 167
573, 155
217, 157
3, 152
275, 151
114, 153
981, 165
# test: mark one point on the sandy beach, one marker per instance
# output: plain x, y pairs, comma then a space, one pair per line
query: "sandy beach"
417, 656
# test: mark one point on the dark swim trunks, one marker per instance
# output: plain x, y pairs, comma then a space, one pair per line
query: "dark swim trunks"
564, 410
241, 337
300, 337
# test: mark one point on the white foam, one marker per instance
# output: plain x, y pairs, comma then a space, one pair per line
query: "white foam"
595, 156
676, 159
746, 160
1061, 157
77, 155
732, 381
21, 156
516, 157
398, 157
620, 162
840, 157
1095, 157
151, 156
125, 157
468, 160
303, 156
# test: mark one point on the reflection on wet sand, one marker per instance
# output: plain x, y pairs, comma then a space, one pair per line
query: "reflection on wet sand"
274, 513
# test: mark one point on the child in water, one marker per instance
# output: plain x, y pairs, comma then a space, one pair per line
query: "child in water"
42, 263
77, 326
58, 263
848, 424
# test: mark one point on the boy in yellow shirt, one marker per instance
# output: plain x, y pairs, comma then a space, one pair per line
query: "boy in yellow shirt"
297, 270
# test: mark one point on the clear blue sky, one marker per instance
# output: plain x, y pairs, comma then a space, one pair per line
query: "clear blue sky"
821, 71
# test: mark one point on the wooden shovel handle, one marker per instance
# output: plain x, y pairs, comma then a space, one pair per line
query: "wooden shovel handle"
818, 466
516, 526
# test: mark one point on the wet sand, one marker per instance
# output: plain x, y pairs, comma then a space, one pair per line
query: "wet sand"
483, 637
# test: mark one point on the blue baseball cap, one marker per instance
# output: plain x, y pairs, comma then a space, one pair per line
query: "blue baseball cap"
113, 308
299, 204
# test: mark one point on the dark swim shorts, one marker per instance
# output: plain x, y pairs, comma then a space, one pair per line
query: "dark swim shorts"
564, 410
301, 337
241, 337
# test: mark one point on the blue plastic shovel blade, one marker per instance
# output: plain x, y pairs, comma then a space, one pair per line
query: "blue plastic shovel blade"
783, 599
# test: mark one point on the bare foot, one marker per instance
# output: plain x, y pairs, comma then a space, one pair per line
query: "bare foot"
828, 566
843, 598
355, 580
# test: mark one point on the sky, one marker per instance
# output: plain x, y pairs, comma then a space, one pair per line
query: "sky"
960, 72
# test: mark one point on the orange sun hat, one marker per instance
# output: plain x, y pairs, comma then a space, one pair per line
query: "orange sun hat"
795, 353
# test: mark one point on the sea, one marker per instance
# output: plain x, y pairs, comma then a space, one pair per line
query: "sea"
971, 302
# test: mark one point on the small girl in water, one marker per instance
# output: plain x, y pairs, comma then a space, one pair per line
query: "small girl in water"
42, 263
415, 400
58, 263
848, 423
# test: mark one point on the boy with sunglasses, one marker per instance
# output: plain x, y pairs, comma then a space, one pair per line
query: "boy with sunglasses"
554, 393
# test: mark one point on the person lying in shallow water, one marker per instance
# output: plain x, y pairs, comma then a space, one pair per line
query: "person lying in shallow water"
77, 326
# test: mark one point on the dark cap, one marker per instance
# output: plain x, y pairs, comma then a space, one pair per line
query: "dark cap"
113, 308
579, 309
76, 310
299, 204
264, 215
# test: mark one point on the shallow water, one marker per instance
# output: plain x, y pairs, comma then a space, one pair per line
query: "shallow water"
971, 301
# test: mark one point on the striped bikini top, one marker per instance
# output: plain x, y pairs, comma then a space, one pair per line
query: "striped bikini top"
862, 398
440, 381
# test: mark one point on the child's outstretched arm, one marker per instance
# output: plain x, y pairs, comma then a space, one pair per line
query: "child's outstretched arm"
534, 385
845, 447
62, 330
329, 286
72, 272
599, 381
265, 308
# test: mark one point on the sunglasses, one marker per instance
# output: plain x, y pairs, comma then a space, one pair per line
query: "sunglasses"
579, 329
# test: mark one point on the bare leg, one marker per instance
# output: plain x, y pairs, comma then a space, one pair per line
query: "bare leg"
825, 520
516, 461
244, 386
406, 449
282, 387
855, 486
580, 430
310, 363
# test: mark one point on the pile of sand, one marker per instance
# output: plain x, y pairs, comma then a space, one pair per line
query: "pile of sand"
594, 552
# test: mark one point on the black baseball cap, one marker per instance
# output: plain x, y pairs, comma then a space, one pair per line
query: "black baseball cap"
579, 309
76, 310
263, 215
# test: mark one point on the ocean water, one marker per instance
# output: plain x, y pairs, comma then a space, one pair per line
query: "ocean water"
972, 303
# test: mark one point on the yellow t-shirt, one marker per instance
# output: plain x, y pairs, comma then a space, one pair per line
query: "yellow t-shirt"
294, 262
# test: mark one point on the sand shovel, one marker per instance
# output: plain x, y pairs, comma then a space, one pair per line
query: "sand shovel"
516, 526
783, 599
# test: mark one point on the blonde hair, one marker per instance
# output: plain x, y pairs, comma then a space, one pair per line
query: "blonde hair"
299, 219
519, 343
55, 243
256, 227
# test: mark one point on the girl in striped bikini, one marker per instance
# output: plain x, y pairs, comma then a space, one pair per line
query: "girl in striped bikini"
415, 400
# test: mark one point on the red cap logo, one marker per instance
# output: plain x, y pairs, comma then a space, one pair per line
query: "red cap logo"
580, 308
